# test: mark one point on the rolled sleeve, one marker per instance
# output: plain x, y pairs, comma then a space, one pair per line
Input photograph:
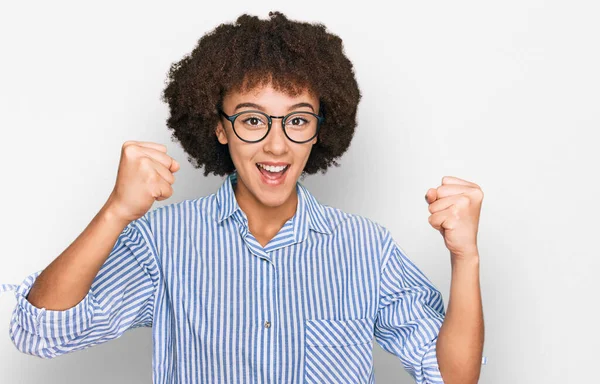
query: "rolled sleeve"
44, 323
410, 314
431, 371
121, 297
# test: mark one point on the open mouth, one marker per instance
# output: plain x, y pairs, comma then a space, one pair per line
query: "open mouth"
273, 174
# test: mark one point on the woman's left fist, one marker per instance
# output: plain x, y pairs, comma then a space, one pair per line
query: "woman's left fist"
455, 207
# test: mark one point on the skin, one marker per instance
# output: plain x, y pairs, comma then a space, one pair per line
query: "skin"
454, 206
267, 207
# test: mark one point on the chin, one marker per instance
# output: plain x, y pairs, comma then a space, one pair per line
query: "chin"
274, 196
272, 203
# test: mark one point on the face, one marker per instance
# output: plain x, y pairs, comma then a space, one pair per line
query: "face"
275, 148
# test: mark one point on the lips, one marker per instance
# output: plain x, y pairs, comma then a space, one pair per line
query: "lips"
270, 178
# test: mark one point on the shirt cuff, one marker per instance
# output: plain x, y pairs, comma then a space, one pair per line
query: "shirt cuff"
431, 370
52, 324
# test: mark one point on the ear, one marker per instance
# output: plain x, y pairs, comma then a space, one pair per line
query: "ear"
220, 132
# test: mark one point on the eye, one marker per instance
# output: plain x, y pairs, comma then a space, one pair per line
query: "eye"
252, 120
297, 121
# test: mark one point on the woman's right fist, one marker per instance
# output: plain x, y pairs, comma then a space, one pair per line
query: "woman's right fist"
145, 174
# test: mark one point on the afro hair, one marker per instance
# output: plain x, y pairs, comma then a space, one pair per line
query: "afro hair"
292, 56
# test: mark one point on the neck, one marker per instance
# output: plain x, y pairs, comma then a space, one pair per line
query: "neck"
263, 218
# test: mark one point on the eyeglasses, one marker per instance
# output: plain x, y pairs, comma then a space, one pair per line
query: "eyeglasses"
254, 126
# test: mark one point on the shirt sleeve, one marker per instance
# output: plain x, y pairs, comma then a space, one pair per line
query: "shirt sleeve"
410, 314
121, 297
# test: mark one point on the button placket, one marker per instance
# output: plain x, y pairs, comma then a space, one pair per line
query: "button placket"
271, 320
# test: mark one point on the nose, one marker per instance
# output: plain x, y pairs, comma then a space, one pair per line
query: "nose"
276, 141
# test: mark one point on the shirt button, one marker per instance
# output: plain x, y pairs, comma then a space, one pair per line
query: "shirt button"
267, 324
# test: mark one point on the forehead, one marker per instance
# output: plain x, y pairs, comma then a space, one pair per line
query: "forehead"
270, 94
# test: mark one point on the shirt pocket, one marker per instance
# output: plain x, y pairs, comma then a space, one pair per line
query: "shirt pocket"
338, 351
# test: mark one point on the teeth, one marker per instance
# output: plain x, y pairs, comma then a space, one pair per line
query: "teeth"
271, 168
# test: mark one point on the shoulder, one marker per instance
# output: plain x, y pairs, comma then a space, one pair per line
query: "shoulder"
364, 235
178, 215
356, 226
183, 209
342, 220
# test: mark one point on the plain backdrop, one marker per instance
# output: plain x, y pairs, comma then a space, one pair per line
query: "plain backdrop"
504, 94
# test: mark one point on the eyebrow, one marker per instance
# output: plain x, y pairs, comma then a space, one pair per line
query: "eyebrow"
260, 107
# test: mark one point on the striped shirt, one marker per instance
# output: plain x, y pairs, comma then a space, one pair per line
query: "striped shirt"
225, 309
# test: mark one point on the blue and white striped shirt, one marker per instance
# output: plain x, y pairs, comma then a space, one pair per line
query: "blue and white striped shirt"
223, 309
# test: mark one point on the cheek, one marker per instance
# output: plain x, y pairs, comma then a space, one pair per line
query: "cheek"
241, 154
306, 154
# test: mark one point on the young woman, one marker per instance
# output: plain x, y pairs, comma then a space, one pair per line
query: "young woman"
258, 282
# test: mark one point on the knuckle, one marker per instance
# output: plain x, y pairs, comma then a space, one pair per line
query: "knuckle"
129, 143
479, 193
145, 162
154, 177
165, 190
455, 211
129, 150
155, 191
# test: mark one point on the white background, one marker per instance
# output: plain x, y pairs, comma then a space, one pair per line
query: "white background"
504, 94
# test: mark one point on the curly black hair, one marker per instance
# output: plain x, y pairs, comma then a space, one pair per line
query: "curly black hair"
292, 55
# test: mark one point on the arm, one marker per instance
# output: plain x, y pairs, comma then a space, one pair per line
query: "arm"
410, 314
460, 341
455, 208
105, 282
119, 296
67, 280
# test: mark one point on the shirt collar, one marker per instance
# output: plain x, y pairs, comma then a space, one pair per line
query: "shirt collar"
308, 212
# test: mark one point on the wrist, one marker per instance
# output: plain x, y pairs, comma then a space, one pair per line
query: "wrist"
470, 261
111, 212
